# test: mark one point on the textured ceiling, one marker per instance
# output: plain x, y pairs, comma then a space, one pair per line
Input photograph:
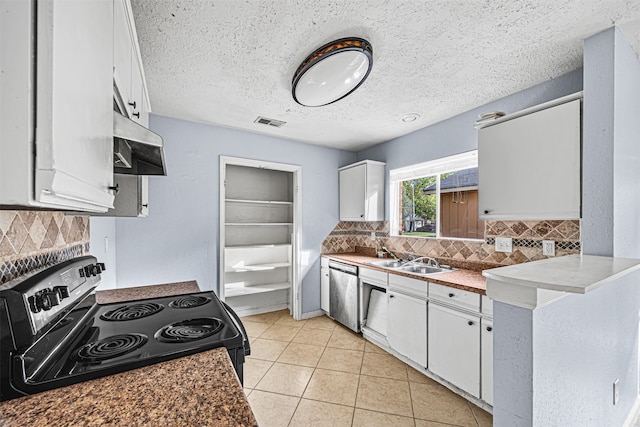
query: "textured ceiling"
226, 62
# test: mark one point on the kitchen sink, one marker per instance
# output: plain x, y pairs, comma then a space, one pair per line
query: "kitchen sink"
407, 267
419, 269
386, 264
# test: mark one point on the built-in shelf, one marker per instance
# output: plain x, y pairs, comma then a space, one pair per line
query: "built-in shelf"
259, 202
257, 220
233, 290
257, 224
256, 267
258, 245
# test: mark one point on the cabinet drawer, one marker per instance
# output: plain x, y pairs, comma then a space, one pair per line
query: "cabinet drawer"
456, 297
415, 287
374, 277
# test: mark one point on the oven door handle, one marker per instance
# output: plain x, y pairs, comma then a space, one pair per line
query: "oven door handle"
240, 326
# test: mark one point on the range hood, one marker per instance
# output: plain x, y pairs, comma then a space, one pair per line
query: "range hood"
136, 150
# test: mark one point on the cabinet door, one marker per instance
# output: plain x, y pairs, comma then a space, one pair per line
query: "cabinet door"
487, 361
454, 347
407, 326
74, 119
121, 50
529, 167
324, 289
353, 193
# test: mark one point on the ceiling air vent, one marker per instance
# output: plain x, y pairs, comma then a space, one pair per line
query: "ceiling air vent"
269, 122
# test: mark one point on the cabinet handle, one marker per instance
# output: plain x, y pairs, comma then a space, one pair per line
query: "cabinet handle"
137, 115
133, 104
470, 323
146, 205
489, 329
392, 296
451, 295
115, 189
486, 211
362, 216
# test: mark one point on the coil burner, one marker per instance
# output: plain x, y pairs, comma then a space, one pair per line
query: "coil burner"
110, 347
132, 311
189, 330
189, 301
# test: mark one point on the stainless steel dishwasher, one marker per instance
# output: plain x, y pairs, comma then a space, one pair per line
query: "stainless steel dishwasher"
343, 294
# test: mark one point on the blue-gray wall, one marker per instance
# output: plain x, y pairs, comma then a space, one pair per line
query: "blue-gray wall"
179, 239
457, 134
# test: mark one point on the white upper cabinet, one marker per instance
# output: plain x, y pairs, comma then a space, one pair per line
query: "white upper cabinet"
529, 166
362, 191
128, 73
70, 166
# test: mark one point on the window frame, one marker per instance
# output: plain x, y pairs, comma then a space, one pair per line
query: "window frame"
436, 168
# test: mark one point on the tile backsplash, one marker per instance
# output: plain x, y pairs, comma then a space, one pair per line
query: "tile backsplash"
34, 239
527, 241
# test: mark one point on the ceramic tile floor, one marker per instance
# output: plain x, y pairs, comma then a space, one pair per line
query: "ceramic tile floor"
317, 373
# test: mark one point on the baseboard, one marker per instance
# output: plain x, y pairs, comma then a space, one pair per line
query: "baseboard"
310, 314
242, 311
633, 414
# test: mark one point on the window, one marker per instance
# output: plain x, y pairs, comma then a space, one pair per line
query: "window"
437, 199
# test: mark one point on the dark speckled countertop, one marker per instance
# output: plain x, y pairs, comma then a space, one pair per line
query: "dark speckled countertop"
141, 292
197, 390
467, 280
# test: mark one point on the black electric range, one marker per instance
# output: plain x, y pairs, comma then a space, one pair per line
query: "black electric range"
53, 334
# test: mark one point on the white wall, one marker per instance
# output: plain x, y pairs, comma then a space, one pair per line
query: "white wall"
179, 239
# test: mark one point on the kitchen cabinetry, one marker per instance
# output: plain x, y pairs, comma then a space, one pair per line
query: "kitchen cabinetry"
407, 327
454, 347
324, 285
486, 360
407, 318
529, 166
128, 72
132, 198
257, 233
362, 191
454, 336
72, 128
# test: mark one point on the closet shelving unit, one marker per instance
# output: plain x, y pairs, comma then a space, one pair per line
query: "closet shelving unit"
257, 234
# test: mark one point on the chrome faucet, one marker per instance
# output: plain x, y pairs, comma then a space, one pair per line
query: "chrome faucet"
390, 253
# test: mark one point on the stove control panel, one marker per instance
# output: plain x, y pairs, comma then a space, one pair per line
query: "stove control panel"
55, 293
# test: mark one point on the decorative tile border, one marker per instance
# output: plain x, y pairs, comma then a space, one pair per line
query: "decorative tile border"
527, 241
11, 269
34, 239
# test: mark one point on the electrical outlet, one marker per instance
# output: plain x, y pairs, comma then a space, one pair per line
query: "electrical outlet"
548, 248
504, 244
373, 235
616, 391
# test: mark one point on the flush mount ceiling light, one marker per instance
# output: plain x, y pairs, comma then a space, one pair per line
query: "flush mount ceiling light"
332, 72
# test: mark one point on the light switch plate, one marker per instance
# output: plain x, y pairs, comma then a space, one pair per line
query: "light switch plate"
504, 244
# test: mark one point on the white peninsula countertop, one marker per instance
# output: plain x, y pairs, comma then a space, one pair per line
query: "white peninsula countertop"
534, 284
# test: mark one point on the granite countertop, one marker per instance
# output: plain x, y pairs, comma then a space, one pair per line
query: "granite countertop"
197, 390
467, 280
141, 292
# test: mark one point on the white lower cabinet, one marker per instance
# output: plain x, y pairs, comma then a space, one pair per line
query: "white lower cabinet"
486, 361
454, 347
324, 289
407, 326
